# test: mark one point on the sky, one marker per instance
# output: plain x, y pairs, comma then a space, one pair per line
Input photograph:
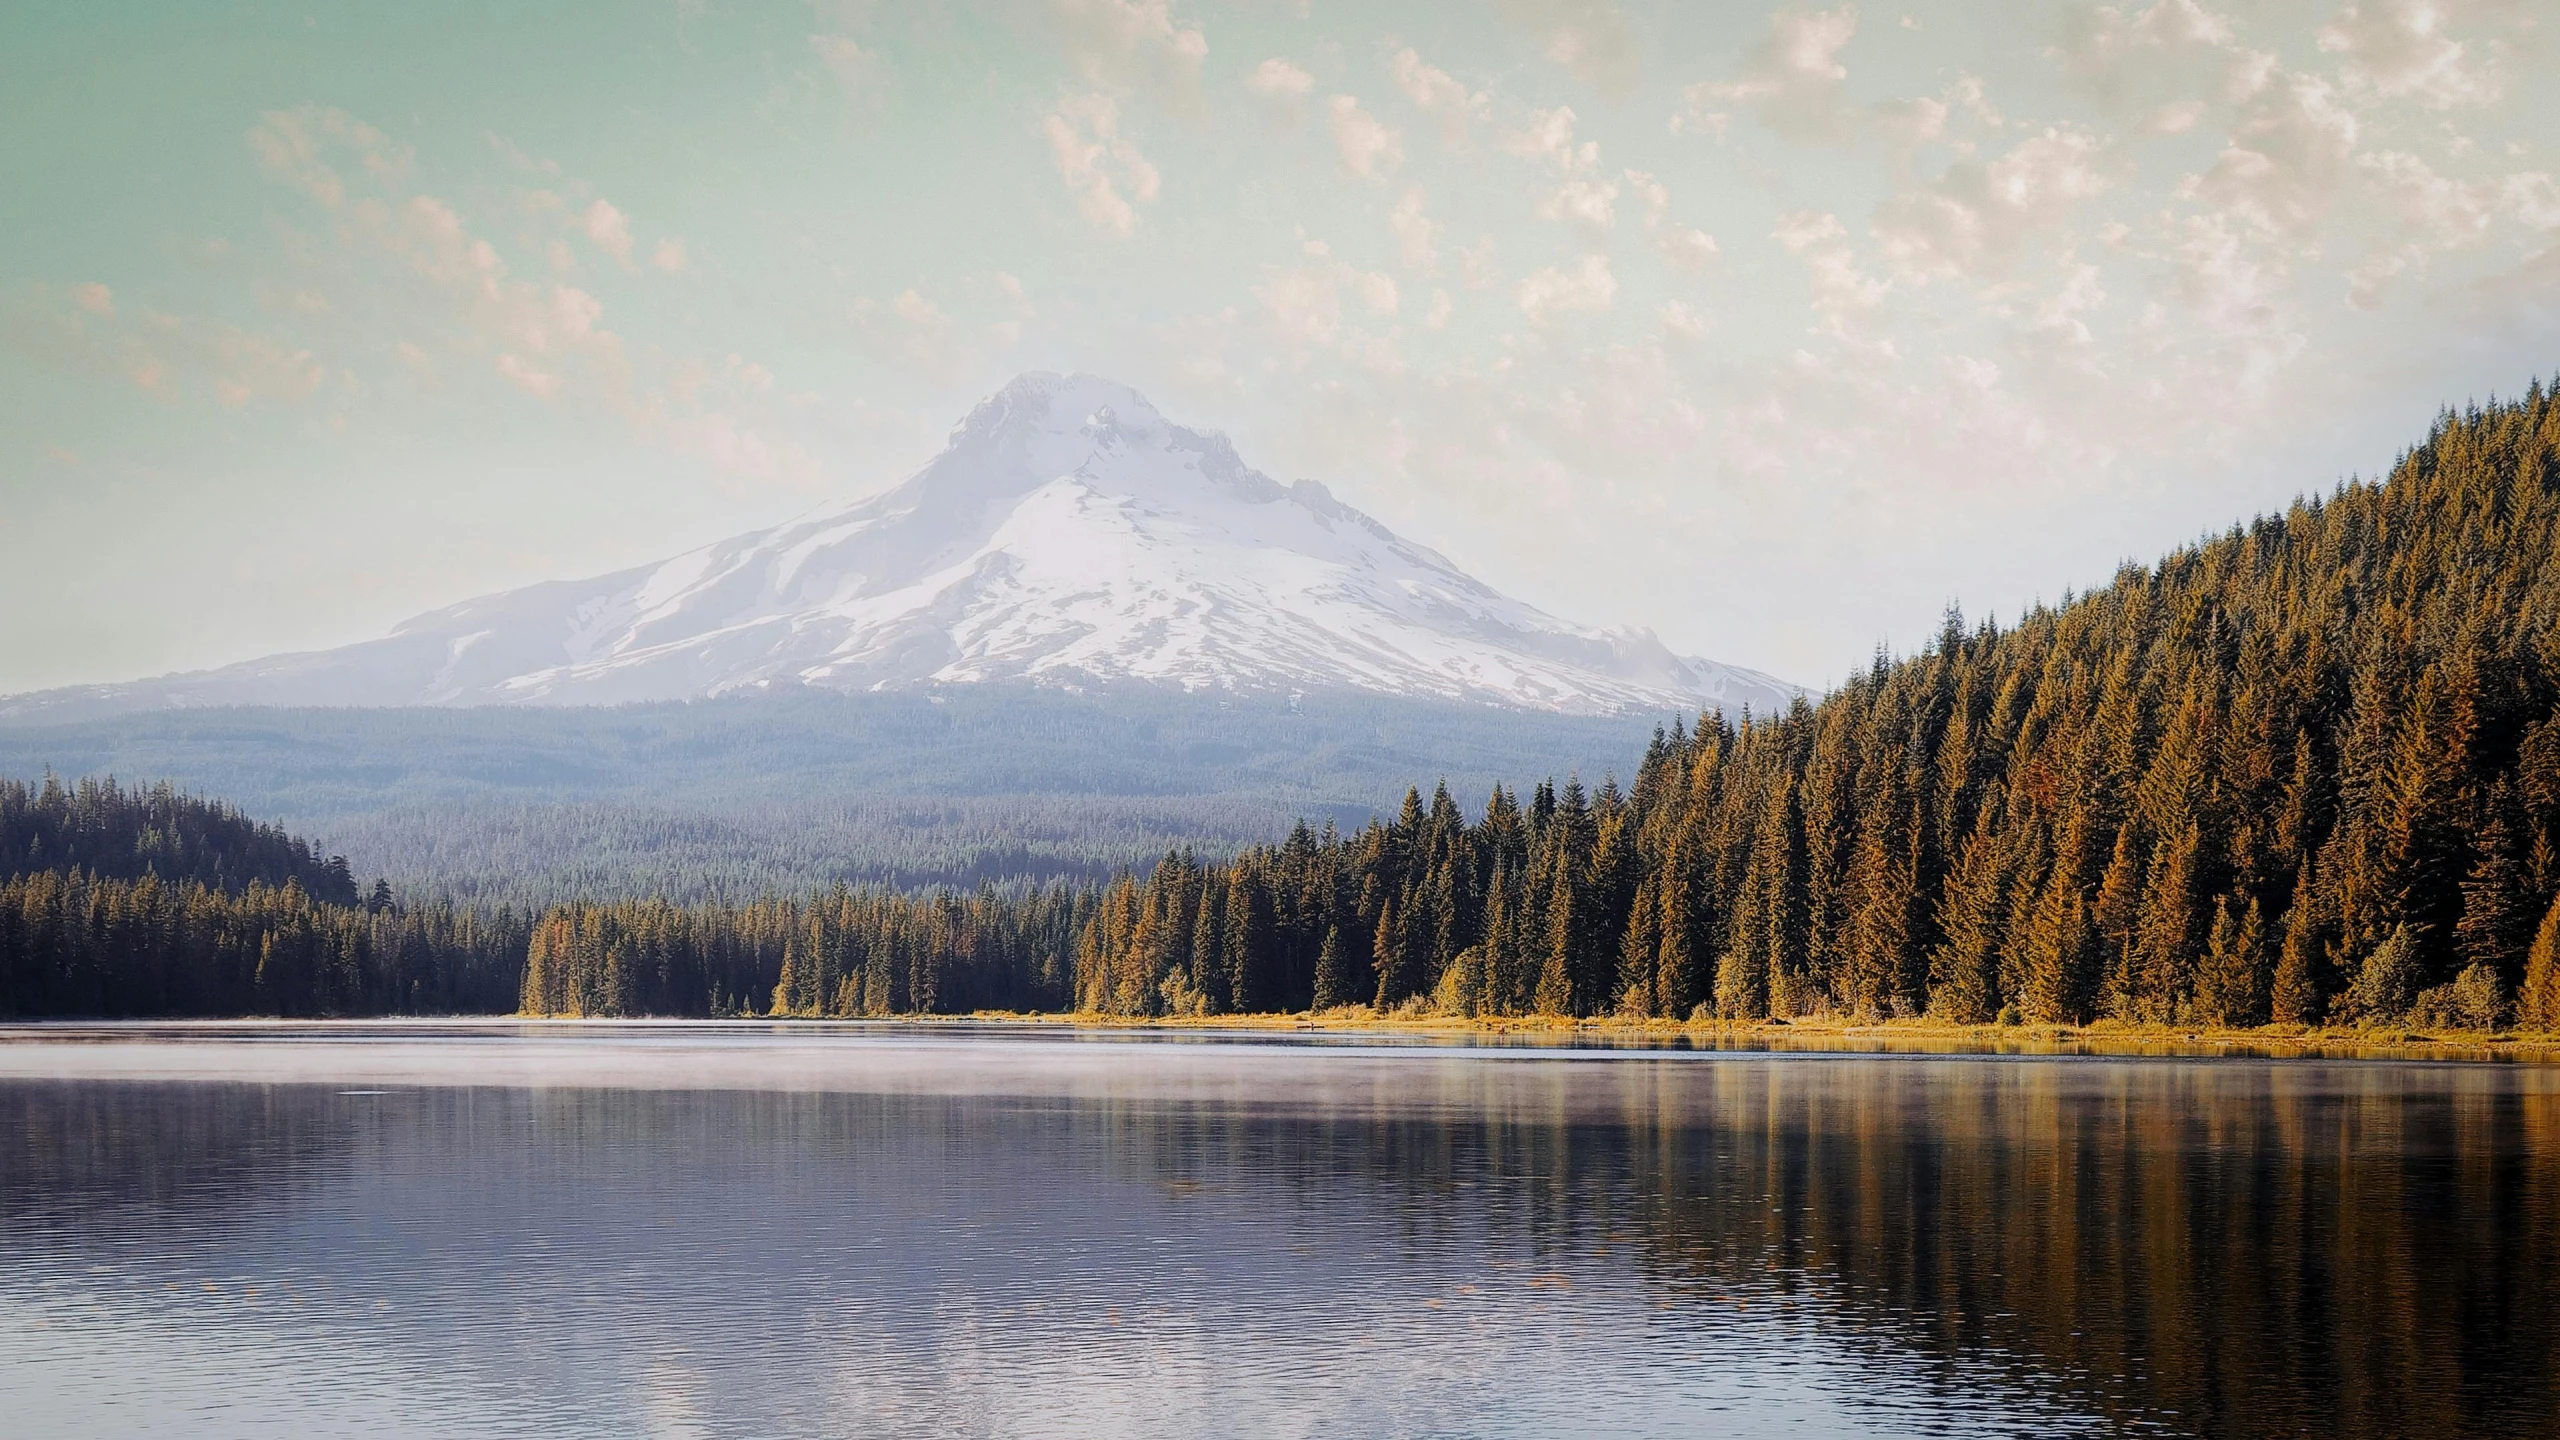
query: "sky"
1775, 331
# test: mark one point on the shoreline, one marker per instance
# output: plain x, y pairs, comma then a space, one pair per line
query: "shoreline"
1838, 1034
1826, 1035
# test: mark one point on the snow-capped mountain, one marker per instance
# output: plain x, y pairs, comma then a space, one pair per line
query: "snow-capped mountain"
1068, 534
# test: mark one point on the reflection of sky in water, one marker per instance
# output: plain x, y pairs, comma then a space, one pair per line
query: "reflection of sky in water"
885, 1234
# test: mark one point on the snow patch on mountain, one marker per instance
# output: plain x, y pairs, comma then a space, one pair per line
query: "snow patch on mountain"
1068, 534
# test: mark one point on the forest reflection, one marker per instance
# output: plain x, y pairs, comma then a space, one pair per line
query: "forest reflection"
1987, 1246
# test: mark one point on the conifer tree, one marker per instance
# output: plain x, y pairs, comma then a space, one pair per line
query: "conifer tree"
2058, 953
2232, 981
2495, 925
1639, 954
1399, 965
2538, 1001
2297, 996
1680, 978
1556, 966
1964, 971
1250, 941
1333, 977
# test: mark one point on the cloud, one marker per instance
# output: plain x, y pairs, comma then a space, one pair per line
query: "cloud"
1841, 292
1281, 89
610, 229
1106, 174
1548, 136
2532, 198
518, 159
1974, 218
435, 299
1278, 79
2283, 163
1133, 44
427, 233
1592, 204
2233, 289
858, 71
2153, 61
1438, 94
1368, 149
168, 357
2397, 49
1551, 292
1681, 246
1652, 194
292, 144
1588, 36
1681, 320
1794, 80
1305, 304
2437, 214
1475, 265
1910, 124
1906, 125
245, 367
913, 332
1685, 248
1417, 235
551, 320
2054, 324
2446, 213
540, 384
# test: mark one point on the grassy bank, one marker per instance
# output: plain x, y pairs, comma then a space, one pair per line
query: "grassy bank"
1839, 1034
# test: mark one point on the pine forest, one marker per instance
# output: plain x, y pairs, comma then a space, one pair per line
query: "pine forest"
2303, 772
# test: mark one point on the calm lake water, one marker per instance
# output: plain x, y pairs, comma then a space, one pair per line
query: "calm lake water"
692, 1230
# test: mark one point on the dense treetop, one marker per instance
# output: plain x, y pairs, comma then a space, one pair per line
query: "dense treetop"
106, 829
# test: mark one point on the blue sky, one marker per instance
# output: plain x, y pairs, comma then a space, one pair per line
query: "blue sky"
1775, 330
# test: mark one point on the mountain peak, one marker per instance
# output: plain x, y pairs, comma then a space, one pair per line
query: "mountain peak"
1066, 408
1068, 533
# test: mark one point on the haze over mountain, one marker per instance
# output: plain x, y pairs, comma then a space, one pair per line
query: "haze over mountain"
1068, 535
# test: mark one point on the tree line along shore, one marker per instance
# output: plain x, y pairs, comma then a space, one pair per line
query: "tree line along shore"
2303, 773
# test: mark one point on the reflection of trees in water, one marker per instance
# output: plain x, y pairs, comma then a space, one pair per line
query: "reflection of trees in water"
2228, 1249
2347, 1251
82, 1155
2343, 1251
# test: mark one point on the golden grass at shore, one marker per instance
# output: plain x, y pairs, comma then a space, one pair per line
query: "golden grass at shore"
1823, 1034
1841, 1034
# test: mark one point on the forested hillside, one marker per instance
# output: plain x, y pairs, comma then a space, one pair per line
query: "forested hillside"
145, 901
789, 793
111, 831
2306, 771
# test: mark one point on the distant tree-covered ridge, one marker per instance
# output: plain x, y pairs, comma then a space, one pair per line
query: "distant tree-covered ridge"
113, 832
146, 901
2307, 771
787, 793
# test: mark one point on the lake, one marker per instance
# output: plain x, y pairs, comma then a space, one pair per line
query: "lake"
1035, 1231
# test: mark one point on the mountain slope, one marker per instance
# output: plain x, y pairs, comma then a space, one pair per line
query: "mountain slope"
794, 790
1068, 535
